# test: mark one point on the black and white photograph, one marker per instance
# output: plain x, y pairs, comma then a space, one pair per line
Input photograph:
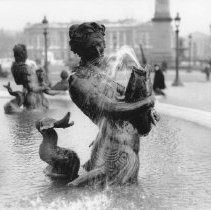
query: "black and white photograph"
105, 104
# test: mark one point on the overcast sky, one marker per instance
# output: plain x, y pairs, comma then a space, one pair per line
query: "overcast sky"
14, 14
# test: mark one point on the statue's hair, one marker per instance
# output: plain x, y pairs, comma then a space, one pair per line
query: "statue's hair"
20, 53
85, 35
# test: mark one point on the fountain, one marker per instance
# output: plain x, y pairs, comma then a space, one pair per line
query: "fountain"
118, 57
174, 157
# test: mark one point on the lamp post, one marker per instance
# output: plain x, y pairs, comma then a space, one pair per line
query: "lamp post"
45, 33
190, 50
177, 81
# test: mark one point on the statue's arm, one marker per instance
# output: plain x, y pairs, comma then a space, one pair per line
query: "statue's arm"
122, 110
98, 104
52, 92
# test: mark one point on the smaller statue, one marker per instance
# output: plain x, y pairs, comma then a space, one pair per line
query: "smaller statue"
62, 85
44, 86
15, 104
24, 73
63, 163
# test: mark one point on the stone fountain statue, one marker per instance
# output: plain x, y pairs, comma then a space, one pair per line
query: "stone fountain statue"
122, 115
62, 163
25, 74
114, 158
33, 81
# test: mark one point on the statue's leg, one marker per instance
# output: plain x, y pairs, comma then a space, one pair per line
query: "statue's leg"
122, 166
94, 177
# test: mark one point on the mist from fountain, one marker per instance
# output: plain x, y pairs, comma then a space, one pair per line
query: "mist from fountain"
122, 60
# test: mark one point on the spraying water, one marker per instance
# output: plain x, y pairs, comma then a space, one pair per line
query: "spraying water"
121, 60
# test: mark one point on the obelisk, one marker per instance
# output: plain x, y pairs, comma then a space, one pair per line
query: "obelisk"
162, 32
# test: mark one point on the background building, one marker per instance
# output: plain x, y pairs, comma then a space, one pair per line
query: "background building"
154, 36
57, 41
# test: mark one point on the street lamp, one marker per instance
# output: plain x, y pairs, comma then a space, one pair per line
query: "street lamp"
177, 81
190, 50
45, 33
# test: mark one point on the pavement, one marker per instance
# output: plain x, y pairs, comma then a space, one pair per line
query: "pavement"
195, 92
191, 102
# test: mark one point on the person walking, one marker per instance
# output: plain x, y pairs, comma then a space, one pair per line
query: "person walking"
207, 73
159, 81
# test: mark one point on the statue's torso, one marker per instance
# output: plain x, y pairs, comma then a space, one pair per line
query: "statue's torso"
25, 74
88, 86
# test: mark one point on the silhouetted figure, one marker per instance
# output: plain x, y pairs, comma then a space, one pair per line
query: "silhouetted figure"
63, 84
159, 81
207, 73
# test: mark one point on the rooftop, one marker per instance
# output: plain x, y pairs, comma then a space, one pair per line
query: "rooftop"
119, 23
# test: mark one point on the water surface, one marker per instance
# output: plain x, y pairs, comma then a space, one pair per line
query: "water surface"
175, 165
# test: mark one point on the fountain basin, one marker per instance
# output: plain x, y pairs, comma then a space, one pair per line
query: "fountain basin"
197, 116
175, 171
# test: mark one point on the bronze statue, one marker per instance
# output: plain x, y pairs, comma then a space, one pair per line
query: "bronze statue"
63, 163
33, 80
114, 158
24, 74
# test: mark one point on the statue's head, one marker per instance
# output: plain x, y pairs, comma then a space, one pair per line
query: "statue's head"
64, 75
20, 53
40, 75
87, 40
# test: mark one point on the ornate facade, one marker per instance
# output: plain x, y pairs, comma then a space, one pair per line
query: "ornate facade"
154, 36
